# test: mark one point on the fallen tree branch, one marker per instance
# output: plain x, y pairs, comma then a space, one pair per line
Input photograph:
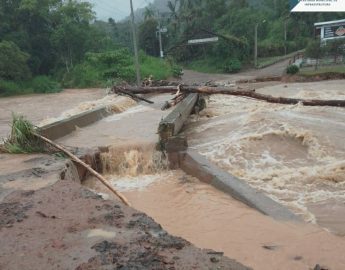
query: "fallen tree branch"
173, 102
134, 96
92, 171
178, 97
228, 91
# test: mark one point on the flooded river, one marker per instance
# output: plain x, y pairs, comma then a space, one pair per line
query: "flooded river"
45, 108
294, 154
212, 219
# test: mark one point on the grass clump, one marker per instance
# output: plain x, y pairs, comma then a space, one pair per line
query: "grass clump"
208, 65
160, 69
292, 69
43, 84
9, 88
38, 84
22, 139
323, 70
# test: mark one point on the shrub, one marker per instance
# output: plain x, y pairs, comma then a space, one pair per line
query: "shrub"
177, 71
232, 66
22, 138
13, 62
160, 69
292, 69
104, 69
43, 84
82, 76
9, 88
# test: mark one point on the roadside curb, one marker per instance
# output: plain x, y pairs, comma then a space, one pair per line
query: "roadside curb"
64, 127
198, 166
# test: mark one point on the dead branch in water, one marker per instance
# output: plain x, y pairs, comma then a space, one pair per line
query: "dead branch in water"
229, 91
175, 100
133, 96
80, 162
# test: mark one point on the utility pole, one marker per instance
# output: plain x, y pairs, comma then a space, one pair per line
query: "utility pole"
285, 33
160, 37
136, 55
256, 45
285, 36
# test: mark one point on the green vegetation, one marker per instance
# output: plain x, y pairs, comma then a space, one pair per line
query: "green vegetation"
13, 62
292, 69
207, 65
49, 44
158, 68
38, 84
339, 69
233, 21
232, 66
22, 139
104, 69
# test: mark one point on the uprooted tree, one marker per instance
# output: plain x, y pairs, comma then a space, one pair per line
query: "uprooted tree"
206, 90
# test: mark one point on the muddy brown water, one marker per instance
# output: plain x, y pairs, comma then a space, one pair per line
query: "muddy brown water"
132, 125
42, 107
292, 153
211, 219
285, 151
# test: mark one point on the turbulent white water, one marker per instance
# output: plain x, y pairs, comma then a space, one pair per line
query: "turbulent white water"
134, 166
115, 104
294, 154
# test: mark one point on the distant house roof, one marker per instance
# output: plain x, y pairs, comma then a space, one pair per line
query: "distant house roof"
329, 23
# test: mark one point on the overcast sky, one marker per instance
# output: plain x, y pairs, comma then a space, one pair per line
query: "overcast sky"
117, 9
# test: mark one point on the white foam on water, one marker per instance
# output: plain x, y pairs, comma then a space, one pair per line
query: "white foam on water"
130, 111
139, 182
294, 154
113, 103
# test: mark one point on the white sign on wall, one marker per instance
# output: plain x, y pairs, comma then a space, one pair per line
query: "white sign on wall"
202, 40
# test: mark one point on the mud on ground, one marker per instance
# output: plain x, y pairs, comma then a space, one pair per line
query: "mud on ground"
65, 226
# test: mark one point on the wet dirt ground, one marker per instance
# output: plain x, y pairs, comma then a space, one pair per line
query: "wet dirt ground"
191, 76
68, 227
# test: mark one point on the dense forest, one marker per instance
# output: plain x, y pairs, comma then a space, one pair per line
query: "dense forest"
49, 44
234, 21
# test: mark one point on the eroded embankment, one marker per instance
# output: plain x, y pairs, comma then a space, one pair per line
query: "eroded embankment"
66, 226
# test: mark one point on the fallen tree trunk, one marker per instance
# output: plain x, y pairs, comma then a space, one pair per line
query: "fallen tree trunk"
229, 91
92, 171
